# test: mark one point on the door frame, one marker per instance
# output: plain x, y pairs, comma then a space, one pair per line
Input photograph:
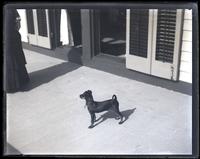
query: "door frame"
140, 64
168, 68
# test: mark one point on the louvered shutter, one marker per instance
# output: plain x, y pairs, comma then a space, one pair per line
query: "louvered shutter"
166, 28
139, 19
30, 23
42, 22
166, 43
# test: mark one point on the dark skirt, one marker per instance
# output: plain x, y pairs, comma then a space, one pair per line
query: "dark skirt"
15, 73
16, 78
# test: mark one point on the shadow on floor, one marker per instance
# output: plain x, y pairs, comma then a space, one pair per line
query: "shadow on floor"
10, 150
75, 55
46, 75
110, 114
72, 54
64, 52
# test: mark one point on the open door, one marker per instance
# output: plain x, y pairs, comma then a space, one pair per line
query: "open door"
38, 27
153, 41
139, 38
166, 43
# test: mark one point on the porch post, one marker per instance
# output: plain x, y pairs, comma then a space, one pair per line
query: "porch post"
86, 35
89, 34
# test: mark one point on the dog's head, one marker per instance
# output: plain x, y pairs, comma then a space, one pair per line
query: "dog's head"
86, 95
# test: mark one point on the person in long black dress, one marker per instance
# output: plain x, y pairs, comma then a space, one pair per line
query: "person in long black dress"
15, 73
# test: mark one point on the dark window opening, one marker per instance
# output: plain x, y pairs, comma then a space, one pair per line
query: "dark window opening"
74, 26
113, 32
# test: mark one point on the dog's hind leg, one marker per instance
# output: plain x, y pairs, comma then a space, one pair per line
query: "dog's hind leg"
121, 116
116, 110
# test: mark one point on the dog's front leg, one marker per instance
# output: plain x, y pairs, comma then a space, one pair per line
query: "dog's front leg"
92, 119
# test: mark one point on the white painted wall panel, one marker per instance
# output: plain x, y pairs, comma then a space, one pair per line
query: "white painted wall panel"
184, 76
186, 56
186, 50
187, 25
187, 35
188, 14
187, 46
186, 66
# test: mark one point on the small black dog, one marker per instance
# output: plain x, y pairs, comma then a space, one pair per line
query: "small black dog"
97, 107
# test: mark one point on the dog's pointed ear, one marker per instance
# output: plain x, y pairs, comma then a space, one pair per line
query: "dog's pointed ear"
89, 91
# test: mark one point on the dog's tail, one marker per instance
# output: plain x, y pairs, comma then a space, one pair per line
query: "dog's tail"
114, 97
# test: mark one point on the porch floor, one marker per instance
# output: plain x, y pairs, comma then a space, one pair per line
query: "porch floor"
48, 117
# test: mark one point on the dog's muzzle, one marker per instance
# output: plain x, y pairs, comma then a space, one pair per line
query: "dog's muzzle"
81, 96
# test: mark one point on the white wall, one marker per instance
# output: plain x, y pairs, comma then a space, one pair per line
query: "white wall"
23, 30
186, 50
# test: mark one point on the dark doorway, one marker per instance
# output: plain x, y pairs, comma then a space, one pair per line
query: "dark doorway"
75, 22
113, 32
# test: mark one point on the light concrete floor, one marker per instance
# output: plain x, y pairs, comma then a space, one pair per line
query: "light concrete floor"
50, 118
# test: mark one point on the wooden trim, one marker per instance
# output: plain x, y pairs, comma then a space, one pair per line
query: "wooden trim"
127, 31
150, 38
177, 44
134, 62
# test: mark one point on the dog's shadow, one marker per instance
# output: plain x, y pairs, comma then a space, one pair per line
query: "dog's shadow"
110, 114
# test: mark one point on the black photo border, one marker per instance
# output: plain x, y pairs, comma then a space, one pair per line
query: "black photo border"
126, 4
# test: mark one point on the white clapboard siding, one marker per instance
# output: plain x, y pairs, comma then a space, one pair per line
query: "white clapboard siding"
187, 24
185, 77
186, 66
188, 14
187, 35
186, 46
186, 50
186, 56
